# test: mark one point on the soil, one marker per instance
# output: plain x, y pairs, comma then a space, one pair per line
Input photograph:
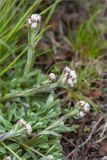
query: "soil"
90, 139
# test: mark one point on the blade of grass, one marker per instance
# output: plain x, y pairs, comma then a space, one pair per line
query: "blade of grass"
11, 151
13, 62
38, 37
22, 20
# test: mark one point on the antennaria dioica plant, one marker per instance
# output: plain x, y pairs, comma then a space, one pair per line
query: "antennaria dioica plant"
31, 121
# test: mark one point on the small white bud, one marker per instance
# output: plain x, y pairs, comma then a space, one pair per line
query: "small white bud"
105, 157
29, 21
21, 122
67, 69
28, 128
86, 107
34, 25
81, 114
7, 158
35, 17
70, 82
52, 76
81, 103
72, 74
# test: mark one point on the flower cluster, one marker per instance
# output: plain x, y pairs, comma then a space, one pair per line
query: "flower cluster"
7, 158
84, 108
27, 126
52, 77
68, 77
34, 20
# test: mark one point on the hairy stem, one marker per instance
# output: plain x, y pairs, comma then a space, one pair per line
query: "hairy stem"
28, 92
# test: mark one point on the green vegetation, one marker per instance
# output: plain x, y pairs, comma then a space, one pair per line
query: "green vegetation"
25, 91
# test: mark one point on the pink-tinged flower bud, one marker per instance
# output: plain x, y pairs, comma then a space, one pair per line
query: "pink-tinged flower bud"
67, 69
70, 82
52, 76
33, 25
81, 103
35, 18
27, 126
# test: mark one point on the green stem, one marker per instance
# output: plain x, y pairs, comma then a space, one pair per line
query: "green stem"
40, 89
16, 155
30, 53
32, 33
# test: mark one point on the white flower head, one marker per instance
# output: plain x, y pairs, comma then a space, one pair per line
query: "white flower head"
21, 122
84, 106
33, 25
81, 114
33, 21
69, 76
35, 18
28, 128
81, 103
52, 76
7, 158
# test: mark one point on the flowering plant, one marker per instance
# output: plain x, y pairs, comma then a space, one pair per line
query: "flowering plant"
33, 121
